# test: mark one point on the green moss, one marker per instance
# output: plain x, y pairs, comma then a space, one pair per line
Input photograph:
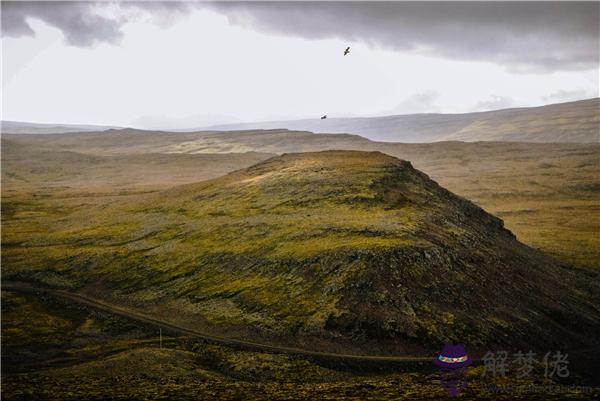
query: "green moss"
355, 239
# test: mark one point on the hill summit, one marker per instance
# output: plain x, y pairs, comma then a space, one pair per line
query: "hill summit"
347, 246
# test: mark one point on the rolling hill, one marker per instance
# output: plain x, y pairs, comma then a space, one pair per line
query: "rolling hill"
19, 127
132, 141
338, 247
572, 122
564, 122
546, 193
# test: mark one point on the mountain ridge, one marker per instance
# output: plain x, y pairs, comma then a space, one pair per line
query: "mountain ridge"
569, 122
559, 122
22, 127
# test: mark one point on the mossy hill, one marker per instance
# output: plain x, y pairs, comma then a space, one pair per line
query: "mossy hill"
346, 246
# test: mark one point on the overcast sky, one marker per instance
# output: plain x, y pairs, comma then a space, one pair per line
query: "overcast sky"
180, 65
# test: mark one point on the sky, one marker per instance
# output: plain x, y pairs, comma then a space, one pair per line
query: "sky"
173, 65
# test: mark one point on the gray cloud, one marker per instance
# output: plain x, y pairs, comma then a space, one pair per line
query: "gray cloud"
568, 96
495, 103
78, 22
523, 36
82, 23
424, 102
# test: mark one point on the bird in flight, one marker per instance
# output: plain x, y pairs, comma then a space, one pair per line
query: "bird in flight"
324, 117
347, 50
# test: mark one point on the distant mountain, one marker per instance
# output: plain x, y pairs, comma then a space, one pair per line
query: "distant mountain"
128, 141
17, 127
344, 246
564, 122
573, 122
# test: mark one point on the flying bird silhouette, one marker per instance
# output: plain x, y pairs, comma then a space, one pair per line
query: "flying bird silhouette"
324, 117
347, 50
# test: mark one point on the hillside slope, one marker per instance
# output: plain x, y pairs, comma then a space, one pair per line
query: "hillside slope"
546, 193
131, 141
564, 122
348, 247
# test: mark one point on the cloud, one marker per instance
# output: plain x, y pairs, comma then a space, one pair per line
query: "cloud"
495, 103
78, 22
525, 37
562, 96
85, 24
424, 102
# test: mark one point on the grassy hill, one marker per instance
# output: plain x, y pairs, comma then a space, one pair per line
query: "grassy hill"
131, 141
564, 122
346, 248
36, 169
546, 193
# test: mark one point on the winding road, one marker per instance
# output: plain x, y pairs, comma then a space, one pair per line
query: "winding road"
120, 311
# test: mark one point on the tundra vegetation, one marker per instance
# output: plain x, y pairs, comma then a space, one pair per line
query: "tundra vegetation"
358, 252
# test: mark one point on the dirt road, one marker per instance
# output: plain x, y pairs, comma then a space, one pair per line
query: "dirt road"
120, 311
